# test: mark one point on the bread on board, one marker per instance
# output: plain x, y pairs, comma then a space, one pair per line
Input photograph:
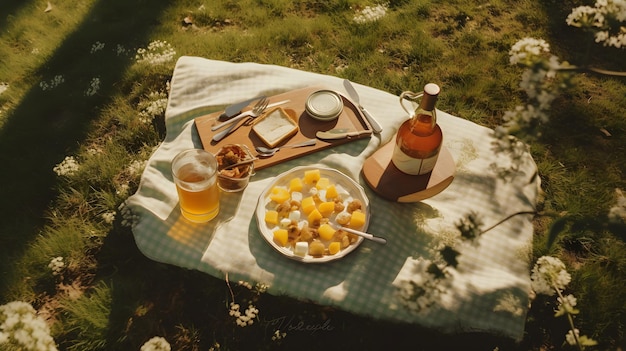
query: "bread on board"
275, 126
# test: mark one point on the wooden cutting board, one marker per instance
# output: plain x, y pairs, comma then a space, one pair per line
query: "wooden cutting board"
386, 180
351, 118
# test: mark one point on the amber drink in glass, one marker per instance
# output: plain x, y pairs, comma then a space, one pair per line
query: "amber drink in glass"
195, 175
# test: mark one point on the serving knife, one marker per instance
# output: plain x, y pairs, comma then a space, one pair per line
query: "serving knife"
340, 133
235, 109
355, 96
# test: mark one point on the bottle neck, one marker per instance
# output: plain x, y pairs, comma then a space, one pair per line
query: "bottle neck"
425, 117
424, 122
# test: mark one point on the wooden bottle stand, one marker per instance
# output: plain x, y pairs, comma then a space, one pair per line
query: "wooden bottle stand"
392, 184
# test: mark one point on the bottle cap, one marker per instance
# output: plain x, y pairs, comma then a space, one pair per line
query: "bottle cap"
431, 91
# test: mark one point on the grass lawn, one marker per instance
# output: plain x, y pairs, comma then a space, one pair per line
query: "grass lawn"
73, 92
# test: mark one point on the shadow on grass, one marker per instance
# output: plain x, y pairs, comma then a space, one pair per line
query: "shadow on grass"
8, 7
50, 124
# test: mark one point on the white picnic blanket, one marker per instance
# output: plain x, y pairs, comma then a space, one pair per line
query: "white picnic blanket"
488, 291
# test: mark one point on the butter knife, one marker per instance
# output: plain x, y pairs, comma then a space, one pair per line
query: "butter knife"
355, 96
235, 109
340, 133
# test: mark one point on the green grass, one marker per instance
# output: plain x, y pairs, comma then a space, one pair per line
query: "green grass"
111, 297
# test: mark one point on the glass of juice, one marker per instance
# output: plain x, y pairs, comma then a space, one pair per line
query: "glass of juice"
195, 175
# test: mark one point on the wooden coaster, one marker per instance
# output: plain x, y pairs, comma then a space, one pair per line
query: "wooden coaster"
392, 184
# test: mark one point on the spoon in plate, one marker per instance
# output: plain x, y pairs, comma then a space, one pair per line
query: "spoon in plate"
267, 152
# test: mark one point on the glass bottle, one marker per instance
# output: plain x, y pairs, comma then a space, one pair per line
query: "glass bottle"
419, 139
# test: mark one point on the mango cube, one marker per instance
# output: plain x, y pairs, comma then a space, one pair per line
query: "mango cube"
312, 176
326, 208
295, 184
357, 219
281, 236
308, 204
331, 192
271, 217
334, 247
314, 216
326, 232
322, 183
279, 194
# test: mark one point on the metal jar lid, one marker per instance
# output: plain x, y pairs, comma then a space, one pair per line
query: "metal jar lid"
324, 105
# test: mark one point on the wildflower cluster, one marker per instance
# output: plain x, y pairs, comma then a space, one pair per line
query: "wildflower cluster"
157, 343
607, 20
57, 265
617, 213
153, 106
21, 328
136, 167
97, 46
108, 217
94, 87
67, 167
370, 14
541, 87
158, 52
278, 335
53, 83
246, 318
549, 276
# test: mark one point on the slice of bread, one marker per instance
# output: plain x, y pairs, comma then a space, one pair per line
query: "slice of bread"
275, 126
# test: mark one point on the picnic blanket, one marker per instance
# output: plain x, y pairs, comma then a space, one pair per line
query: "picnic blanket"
486, 292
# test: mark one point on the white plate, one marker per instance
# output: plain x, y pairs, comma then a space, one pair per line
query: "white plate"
341, 181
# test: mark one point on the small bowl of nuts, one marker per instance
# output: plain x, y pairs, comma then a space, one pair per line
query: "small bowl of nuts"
235, 166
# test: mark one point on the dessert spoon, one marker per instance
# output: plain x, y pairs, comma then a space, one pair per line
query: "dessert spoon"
266, 152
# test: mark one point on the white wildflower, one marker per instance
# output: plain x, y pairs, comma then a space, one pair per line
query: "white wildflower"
528, 51
67, 167
243, 319
21, 328
606, 19
157, 343
157, 52
370, 14
570, 338
582, 16
3, 87
53, 83
108, 217
153, 106
94, 87
245, 284
56, 265
136, 167
548, 274
122, 189
617, 214
278, 335
97, 46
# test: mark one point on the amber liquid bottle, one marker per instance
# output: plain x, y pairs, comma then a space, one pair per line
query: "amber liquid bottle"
419, 139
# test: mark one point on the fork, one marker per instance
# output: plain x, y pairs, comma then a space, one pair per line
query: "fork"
257, 110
